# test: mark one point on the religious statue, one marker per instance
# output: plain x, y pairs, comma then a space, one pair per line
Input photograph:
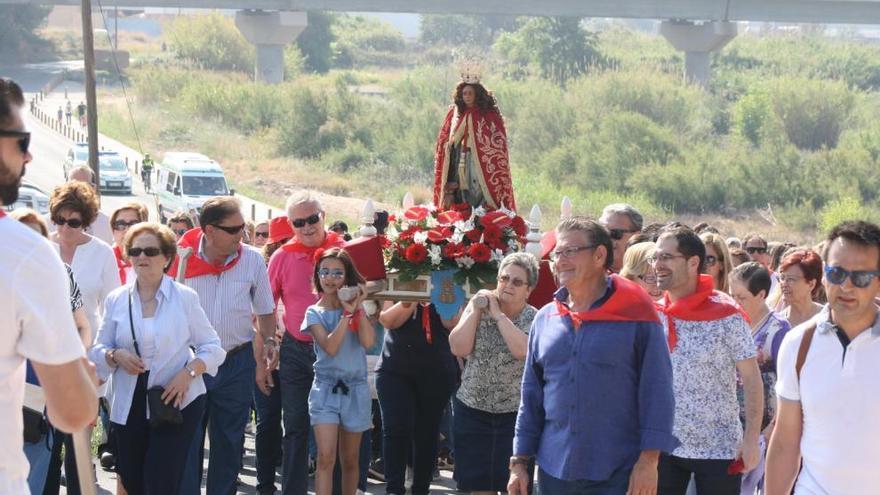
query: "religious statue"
471, 164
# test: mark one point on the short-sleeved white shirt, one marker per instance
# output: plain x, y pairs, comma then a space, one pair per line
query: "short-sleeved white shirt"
97, 274
839, 397
35, 323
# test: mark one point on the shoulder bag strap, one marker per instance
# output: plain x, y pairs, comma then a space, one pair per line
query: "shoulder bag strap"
134, 339
804, 349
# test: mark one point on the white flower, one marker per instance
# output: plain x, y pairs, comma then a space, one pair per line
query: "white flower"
404, 226
512, 245
465, 261
479, 211
464, 225
509, 213
497, 255
457, 236
436, 254
431, 222
391, 233
420, 237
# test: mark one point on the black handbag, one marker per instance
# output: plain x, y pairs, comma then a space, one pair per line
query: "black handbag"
161, 414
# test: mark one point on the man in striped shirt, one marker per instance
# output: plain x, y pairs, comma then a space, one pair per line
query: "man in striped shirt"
233, 285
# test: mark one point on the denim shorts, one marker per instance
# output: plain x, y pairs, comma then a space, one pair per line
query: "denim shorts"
345, 403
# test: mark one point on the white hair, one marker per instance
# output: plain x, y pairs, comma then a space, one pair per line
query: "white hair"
630, 211
302, 198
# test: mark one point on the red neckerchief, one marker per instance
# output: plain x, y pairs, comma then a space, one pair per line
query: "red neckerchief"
628, 302
331, 240
196, 266
426, 322
705, 304
121, 264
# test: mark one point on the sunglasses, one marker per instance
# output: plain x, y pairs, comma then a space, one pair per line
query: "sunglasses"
617, 234
152, 252
180, 232
756, 250
73, 223
328, 273
711, 260
235, 229
24, 138
516, 282
311, 220
261, 234
122, 224
860, 278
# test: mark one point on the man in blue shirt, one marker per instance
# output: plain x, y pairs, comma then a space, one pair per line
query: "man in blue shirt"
597, 401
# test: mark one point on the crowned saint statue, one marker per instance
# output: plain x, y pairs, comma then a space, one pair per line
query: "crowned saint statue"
471, 164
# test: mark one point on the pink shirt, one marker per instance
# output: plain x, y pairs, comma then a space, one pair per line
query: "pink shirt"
290, 276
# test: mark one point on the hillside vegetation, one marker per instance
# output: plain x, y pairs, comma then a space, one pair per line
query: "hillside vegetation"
787, 125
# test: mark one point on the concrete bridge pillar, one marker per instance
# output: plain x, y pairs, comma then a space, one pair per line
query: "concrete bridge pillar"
270, 31
697, 41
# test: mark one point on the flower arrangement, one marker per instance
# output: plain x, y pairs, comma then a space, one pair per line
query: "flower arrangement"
471, 240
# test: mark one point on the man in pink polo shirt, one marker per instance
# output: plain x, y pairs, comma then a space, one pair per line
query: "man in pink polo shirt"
290, 274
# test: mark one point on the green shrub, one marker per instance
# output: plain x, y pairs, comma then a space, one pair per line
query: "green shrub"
843, 209
212, 41
813, 113
298, 132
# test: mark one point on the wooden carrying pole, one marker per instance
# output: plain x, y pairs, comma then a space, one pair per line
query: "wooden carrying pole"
91, 95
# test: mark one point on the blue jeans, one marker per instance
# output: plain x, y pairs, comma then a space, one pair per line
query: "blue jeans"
268, 438
38, 455
296, 374
616, 485
227, 409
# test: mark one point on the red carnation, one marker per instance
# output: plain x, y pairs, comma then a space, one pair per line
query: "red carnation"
492, 233
416, 214
480, 253
519, 226
473, 235
451, 251
384, 242
392, 218
416, 253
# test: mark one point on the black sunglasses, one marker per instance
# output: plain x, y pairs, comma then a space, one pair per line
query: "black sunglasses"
617, 234
180, 231
756, 250
860, 278
230, 230
24, 138
73, 223
150, 251
261, 234
122, 224
311, 220
711, 260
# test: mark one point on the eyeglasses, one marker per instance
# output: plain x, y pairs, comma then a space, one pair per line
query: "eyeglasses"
648, 278
617, 234
311, 220
24, 138
261, 234
860, 278
569, 252
122, 224
235, 229
73, 223
180, 232
788, 279
664, 257
756, 250
711, 260
516, 282
152, 252
328, 273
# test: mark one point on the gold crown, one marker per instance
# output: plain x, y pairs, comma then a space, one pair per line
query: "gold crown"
471, 71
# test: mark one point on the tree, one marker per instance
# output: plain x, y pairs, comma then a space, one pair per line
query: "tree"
315, 42
18, 37
557, 47
464, 29
213, 41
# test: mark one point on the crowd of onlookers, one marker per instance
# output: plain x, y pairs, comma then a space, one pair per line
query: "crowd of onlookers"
667, 360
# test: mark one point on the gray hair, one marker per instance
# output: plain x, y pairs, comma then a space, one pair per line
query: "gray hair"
302, 198
82, 169
526, 261
630, 211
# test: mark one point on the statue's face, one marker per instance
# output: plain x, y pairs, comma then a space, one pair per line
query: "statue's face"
469, 95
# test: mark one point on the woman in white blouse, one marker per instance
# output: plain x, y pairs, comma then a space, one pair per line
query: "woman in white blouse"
72, 208
168, 324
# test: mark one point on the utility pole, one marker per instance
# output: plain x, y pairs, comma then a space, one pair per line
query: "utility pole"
91, 95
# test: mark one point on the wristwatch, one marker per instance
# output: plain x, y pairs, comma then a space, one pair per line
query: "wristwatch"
192, 372
518, 460
112, 355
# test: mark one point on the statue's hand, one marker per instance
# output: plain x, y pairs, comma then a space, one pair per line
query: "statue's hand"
451, 187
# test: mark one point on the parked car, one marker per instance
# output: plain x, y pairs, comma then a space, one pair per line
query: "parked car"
115, 175
184, 181
31, 196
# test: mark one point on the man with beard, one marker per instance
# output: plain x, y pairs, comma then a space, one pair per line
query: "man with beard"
709, 340
35, 318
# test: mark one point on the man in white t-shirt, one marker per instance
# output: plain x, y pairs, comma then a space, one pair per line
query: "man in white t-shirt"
35, 318
828, 369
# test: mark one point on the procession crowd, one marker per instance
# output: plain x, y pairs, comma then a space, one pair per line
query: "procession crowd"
668, 357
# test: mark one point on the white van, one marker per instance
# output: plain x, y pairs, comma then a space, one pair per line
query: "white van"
185, 181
